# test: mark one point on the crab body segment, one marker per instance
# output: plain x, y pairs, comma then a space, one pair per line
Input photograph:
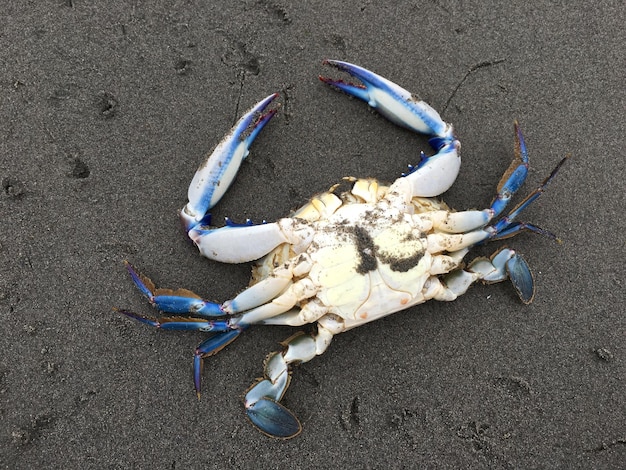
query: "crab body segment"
356, 253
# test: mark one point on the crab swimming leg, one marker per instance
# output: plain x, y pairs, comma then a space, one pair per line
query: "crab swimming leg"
262, 400
432, 175
504, 264
233, 243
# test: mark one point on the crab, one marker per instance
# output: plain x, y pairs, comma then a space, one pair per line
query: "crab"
354, 254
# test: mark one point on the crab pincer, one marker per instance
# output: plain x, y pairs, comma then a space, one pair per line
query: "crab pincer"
431, 175
218, 171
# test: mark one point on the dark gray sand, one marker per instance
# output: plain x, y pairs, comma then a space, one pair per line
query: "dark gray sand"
107, 108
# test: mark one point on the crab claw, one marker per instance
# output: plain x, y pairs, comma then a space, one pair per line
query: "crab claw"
432, 175
217, 173
398, 105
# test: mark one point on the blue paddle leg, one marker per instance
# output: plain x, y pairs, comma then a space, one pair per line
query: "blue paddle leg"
273, 419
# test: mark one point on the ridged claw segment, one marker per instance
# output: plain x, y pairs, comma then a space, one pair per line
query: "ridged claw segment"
436, 174
217, 173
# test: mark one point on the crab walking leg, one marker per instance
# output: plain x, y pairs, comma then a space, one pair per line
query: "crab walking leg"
505, 264
514, 176
262, 401
185, 323
180, 301
506, 227
209, 347
432, 175
226, 331
264, 296
511, 181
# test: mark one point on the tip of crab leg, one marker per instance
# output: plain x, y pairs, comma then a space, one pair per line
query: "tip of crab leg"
144, 285
198, 361
139, 318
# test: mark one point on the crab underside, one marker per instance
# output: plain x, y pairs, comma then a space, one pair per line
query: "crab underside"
351, 255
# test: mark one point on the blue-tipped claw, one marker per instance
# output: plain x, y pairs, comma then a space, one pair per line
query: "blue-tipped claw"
217, 173
391, 100
433, 175
273, 419
521, 278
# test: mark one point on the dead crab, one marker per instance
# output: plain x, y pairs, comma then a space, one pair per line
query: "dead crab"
359, 252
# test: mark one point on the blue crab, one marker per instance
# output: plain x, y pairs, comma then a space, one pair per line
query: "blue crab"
354, 254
